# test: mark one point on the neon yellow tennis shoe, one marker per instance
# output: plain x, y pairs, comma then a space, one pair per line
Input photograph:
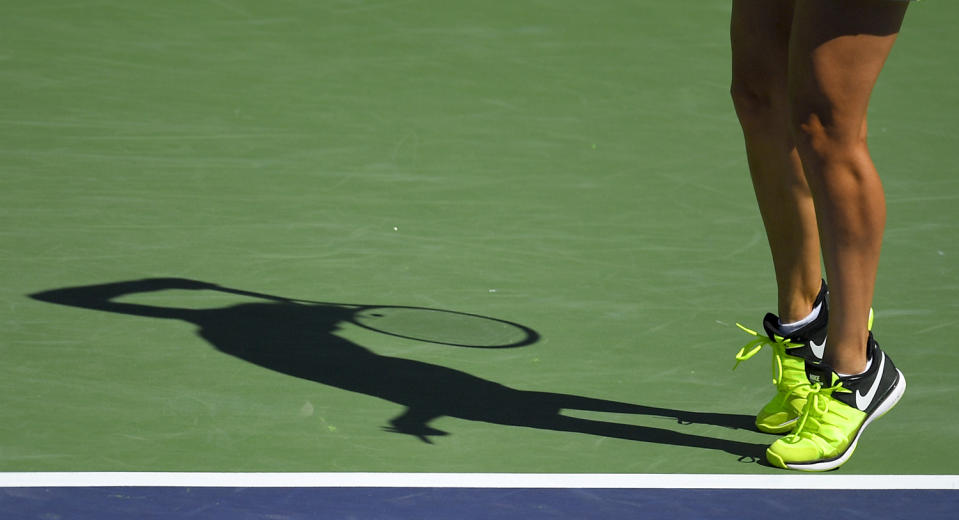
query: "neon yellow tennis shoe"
790, 353
837, 411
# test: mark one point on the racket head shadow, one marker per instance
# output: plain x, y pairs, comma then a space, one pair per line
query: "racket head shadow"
444, 327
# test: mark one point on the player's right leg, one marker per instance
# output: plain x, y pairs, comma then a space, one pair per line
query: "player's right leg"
760, 31
759, 37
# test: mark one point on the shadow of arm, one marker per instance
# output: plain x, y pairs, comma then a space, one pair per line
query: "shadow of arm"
100, 297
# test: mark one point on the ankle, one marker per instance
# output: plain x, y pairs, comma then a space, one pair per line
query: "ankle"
849, 367
797, 305
790, 326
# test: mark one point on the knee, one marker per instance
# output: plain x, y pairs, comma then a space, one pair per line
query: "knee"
759, 106
824, 132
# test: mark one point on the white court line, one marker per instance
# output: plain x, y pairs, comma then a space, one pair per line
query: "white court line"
480, 480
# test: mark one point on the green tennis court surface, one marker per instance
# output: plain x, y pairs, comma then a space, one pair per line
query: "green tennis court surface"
562, 172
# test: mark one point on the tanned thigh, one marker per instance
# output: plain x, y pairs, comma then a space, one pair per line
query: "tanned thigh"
759, 37
837, 49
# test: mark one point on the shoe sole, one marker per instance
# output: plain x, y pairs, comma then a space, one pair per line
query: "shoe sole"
894, 396
785, 427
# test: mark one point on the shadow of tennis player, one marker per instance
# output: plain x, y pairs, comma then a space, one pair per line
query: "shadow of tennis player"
299, 339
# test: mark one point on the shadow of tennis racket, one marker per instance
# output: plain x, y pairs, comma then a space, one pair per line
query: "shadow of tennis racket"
439, 326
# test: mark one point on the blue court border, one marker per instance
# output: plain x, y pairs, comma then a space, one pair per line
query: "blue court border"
236, 503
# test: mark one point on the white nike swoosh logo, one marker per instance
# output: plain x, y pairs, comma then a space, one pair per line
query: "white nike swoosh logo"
819, 349
863, 401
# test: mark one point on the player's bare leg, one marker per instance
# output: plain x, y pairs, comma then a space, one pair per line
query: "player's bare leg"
760, 33
836, 53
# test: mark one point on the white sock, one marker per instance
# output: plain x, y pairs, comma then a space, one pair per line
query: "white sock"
789, 328
868, 365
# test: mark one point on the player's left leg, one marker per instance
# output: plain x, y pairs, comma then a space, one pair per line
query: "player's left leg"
837, 51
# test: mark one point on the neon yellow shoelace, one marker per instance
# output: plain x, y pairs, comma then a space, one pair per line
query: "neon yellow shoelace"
817, 406
779, 345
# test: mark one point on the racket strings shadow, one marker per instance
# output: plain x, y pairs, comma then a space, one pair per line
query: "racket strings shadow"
300, 340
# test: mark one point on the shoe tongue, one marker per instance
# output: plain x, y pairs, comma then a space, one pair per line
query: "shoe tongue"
773, 330
821, 373
771, 324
